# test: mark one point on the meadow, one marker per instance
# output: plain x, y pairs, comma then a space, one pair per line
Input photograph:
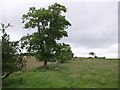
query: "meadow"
77, 73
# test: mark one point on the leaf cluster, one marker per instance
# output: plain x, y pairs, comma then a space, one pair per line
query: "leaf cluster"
64, 52
11, 61
51, 26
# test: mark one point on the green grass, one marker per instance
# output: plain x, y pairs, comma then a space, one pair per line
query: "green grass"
78, 73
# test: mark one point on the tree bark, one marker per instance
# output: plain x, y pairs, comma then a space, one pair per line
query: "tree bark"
45, 65
6, 75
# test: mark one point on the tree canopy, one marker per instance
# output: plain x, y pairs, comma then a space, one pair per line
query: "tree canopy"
51, 26
92, 53
64, 52
11, 61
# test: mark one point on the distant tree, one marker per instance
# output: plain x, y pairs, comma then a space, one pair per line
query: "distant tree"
96, 56
11, 61
92, 53
50, 24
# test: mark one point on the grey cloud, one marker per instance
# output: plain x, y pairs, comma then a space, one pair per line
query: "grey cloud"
94, 24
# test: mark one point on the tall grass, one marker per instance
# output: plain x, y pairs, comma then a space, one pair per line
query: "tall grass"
78, 73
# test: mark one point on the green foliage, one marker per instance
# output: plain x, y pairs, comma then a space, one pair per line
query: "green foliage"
11, 61
64, 53
50, 24
92, 53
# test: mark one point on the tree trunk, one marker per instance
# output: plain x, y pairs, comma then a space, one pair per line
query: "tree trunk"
45, 65
5, 75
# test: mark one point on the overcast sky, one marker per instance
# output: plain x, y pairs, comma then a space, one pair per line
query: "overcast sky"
94, 24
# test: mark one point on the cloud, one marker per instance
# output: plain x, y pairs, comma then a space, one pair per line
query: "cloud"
94, 24
109, 52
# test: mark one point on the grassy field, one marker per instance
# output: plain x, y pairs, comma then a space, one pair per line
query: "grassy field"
77, 73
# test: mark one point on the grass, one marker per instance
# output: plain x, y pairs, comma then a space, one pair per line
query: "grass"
78, 73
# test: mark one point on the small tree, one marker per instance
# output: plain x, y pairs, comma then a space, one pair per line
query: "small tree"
11, 61
93, 54
64, 53
50, 25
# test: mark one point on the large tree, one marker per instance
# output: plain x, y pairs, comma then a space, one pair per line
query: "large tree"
50, 24
11, 61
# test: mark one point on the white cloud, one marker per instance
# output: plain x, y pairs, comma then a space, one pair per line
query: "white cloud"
110, 52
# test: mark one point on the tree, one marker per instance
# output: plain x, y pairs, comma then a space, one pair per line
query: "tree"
92, 53
50, 24
64, 53
11, 61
